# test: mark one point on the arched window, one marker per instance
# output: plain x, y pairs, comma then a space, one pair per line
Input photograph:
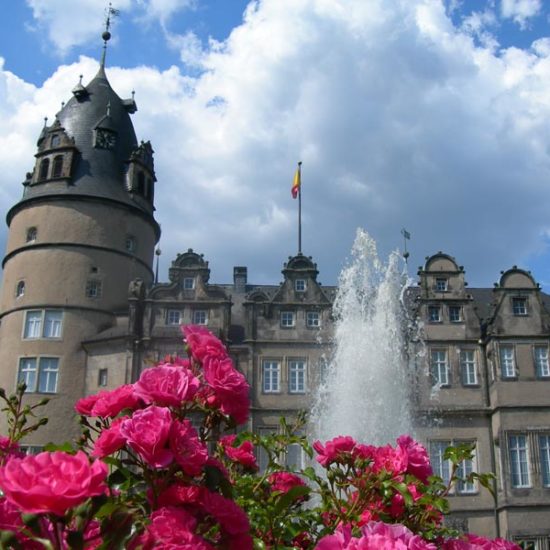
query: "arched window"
20, 289
57, 166
54, 142
140, 184
31, 234
44, 168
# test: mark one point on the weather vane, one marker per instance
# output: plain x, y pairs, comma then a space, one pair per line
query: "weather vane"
406, 237
109, 12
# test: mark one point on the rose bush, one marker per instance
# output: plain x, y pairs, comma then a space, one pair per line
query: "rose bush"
159, 466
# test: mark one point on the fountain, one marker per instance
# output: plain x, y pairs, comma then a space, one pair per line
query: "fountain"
365, 392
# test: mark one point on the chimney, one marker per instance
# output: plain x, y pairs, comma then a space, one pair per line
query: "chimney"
240, 278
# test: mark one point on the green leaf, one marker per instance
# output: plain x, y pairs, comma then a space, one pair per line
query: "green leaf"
286, 499
66, 447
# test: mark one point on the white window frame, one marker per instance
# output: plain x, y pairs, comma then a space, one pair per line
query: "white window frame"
468, 367
200, 317
507, 360
542, 364
439, 367
42, 370
173, 317
313, 319
103, 378
300, 285
440, 466
47, 324
94, 288
271, 376
297, 376
441, 284
518, 455
188, 283
544, 452
432, 318
465, 468
288, 319
457, 309
519, 306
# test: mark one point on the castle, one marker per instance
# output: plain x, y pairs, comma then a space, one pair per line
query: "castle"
81, 311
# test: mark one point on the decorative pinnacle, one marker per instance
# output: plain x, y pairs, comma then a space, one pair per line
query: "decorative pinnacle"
109, 12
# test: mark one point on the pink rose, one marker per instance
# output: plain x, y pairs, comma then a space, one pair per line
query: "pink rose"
166, 386
180, 495
202, 343
230, 387
418, 460
147, 432
284, 481
481, 543
227, 513
338, 449
243, 454
52, 482
9, 449
392, 460
110, 440
189, 451
108, 404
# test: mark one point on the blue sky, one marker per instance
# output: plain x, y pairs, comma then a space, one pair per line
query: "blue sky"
428, 114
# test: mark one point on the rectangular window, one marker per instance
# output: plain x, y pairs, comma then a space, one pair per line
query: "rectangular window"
544, 449
287, 319
465, 468
102, 377
507, 362
542, 367
468, 367
31, 449
300, 285
441, 284
528, 544
188, 283
312, 319
93, 288
440, 466
173, 317
43, 324
200, 317
297, 373
271, 376
439, 368
455, 314
434, 314
42, 379
519, 461
294, 457
519, 306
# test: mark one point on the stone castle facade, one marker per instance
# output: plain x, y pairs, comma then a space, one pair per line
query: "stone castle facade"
81, 312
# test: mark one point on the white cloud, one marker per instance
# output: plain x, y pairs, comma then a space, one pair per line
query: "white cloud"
400, 119
520, 11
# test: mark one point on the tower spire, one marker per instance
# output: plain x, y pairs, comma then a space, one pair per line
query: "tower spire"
110, 12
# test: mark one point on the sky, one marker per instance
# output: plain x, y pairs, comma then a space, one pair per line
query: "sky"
429, 115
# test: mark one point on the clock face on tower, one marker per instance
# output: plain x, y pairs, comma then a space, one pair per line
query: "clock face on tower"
105, 139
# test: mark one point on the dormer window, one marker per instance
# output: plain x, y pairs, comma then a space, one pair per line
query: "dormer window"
57, 169
300, 285
441, 284
188, 283
519, 306
55, 140
44, 169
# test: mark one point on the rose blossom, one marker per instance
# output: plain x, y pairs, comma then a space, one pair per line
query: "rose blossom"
475, 542
335, 450
189, 451
52, 482
284, 481
9, 449
243, 454
202, 343
230, 387
418, 461
108, 404
110, 440
147, 432
166, 386
227, 513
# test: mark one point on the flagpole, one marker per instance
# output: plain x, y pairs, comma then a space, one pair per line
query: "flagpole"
300, 209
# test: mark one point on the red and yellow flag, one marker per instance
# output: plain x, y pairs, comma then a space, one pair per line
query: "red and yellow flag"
296, 183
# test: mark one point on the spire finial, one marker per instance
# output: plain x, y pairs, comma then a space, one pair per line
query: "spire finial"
110, 12
45, 121
109, 108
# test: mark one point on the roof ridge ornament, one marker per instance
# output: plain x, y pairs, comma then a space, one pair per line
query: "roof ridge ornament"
110, 12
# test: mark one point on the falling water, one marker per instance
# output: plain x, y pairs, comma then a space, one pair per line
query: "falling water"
365, 392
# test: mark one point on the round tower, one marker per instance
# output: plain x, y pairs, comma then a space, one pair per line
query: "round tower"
82, 231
